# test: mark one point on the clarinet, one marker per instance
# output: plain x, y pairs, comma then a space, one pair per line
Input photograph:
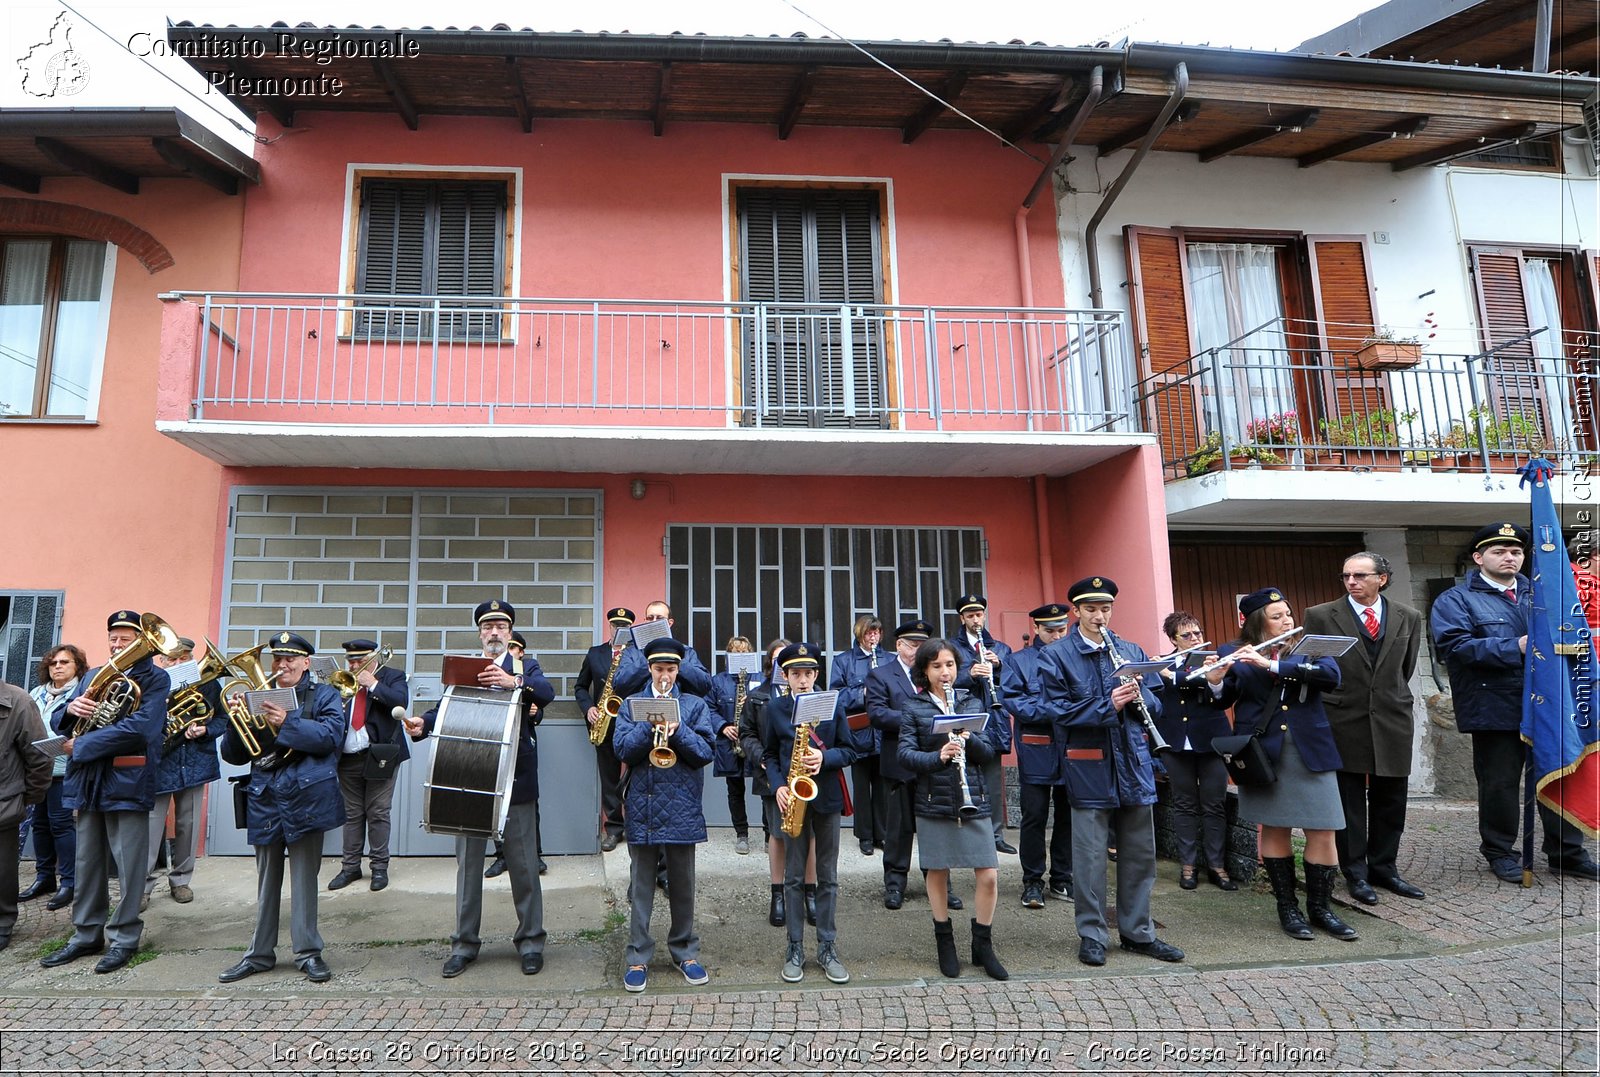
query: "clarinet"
1142, 712
967, 809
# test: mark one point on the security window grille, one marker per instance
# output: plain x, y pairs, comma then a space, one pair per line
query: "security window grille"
1535, 154
30, 624
813, 355
52, 333
812, 583
430, 238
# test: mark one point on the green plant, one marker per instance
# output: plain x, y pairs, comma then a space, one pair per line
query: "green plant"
1378, 428
1385, 335
1514, 433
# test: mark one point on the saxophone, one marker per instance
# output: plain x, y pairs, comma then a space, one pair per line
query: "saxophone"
802, 787
610, 703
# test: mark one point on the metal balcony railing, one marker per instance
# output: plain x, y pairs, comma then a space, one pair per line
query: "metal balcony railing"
1306, 408
321, 358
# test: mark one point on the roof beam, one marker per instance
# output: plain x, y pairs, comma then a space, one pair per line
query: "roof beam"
1297, 122
1128, 136
20, 179
934, 109
397, 93
177, 154
799, 94
75, 160
519, 95
1583, 39
1360, 142
658, 116
276, 107
1471, 29
1047, 111
1488, 140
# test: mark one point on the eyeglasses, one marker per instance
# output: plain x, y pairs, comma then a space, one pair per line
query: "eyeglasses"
1358, 575
61, 661
1195, 634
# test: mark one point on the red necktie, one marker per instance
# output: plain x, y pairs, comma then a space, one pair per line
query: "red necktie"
1371, 620
1511, 595
358, 710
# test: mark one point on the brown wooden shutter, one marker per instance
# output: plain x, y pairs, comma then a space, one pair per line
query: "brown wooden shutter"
1511, 373
1346, 315
1160, 307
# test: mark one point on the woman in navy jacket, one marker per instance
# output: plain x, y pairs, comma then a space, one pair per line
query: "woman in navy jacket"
1281, 694
1196, 775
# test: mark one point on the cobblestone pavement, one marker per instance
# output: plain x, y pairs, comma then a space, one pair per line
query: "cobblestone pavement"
1481, 977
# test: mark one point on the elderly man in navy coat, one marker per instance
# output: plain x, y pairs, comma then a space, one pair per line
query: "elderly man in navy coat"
292, 799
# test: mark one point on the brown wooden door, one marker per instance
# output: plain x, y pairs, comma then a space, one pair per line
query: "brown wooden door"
1210, 571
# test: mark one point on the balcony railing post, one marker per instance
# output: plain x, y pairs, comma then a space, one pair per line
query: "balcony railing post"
594, 352
847, 362
1477, 412
205, 356
930, 340
433, 377
1215, 377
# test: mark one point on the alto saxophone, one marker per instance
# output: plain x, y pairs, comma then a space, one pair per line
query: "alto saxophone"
802, 787
610, 703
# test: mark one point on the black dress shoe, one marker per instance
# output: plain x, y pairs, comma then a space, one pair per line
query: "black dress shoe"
608, 842
1091, 952
1161, 951
1362, 891
62, 899
115, 958
42, 885
1004, 846
235, 973
344, 879
1221, 881
1507, 869
893, 897
380, 879
952, 902
455, 965
496, 868
866, 846
1396, 885
1581, 869
72, 951
532, 964
317, 970
544, 869
1187, 880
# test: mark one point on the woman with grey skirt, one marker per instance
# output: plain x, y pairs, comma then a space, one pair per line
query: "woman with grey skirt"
1281, 694
951, 802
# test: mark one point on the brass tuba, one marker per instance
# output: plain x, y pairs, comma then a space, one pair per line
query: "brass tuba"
114, 693
610, 703
802, 786
188, 705
345, 680
253, 731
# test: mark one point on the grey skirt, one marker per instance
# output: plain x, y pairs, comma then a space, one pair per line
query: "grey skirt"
1299, 798
951, 843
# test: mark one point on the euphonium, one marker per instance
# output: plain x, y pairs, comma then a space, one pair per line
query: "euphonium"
347, 680
188, 704
610, 703
802, 786
114, 693
254, 732
967, 809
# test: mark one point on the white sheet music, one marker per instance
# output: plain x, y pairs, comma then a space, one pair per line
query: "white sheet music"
321, 666
813, 707
621, 636
184, 674
51, 746
1323, 646
744, 662
973, 722
654, 710
647, 632
283, 697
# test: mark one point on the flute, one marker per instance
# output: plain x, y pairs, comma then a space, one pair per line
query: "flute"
1228, 660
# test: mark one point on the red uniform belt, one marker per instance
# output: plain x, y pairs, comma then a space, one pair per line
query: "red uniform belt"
1086, 753
128, 761
1036, 738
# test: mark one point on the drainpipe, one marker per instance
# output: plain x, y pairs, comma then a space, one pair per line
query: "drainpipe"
1541, 36
1041, 520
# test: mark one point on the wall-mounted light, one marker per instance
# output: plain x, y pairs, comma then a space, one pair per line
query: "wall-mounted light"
636, 488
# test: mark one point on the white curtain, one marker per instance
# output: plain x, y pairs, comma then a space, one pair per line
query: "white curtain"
77, 339
1238, 309
1544, 309
25, 262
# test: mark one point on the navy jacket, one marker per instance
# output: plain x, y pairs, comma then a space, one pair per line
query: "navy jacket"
832, 736
938, 794
753, 737
632, 675
1107, 757
661, 806
1189, 710
720, 700
1289, 701
390, 692
1040, 746
888, 688
537, 692
93, 781
850, 670
187, 763
693, 677
1475, 633
302, 796
966, 655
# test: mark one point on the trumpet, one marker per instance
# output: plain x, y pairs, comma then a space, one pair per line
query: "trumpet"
115, 694
661, 755
1158, 743
1229, 659
348, 681
968, 809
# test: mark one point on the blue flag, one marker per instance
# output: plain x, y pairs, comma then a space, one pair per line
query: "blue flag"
1560, 705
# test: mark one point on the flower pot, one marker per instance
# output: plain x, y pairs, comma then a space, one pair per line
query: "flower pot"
1324, 460
1388, 355
1373, 459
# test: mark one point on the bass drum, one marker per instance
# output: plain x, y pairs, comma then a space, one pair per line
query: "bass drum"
467, 791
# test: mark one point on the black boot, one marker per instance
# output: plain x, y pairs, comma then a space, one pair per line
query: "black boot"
775, 914
1280, 872
811, 903
983, 952
944, 936
42, 885
1319, 890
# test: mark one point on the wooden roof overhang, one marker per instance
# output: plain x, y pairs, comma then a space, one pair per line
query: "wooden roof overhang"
1306, 108
117, 147
1485, 33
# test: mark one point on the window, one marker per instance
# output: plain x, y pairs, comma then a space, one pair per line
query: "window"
431, 238
1530, 154
30, 624
52, 325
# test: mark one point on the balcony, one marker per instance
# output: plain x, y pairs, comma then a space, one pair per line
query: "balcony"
601, 385
1312, 438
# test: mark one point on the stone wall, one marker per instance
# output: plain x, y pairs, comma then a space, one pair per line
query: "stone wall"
1437, 554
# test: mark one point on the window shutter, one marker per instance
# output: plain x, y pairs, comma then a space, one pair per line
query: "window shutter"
1161, 334
1346, 315
849, 383
469, 254
393, 255
1514, 388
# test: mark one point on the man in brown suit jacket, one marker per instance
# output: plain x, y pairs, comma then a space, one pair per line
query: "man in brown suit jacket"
1372, 722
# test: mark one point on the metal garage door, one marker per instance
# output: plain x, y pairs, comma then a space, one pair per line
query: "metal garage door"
406, 567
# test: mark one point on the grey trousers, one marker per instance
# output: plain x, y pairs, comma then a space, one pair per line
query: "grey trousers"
8, 877
824, 830
521, 845
994, 780
682, 942
185, 835
367, 806
102, 836
1135, 839
305, 857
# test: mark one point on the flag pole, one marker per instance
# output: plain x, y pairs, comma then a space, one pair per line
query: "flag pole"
1529, 797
